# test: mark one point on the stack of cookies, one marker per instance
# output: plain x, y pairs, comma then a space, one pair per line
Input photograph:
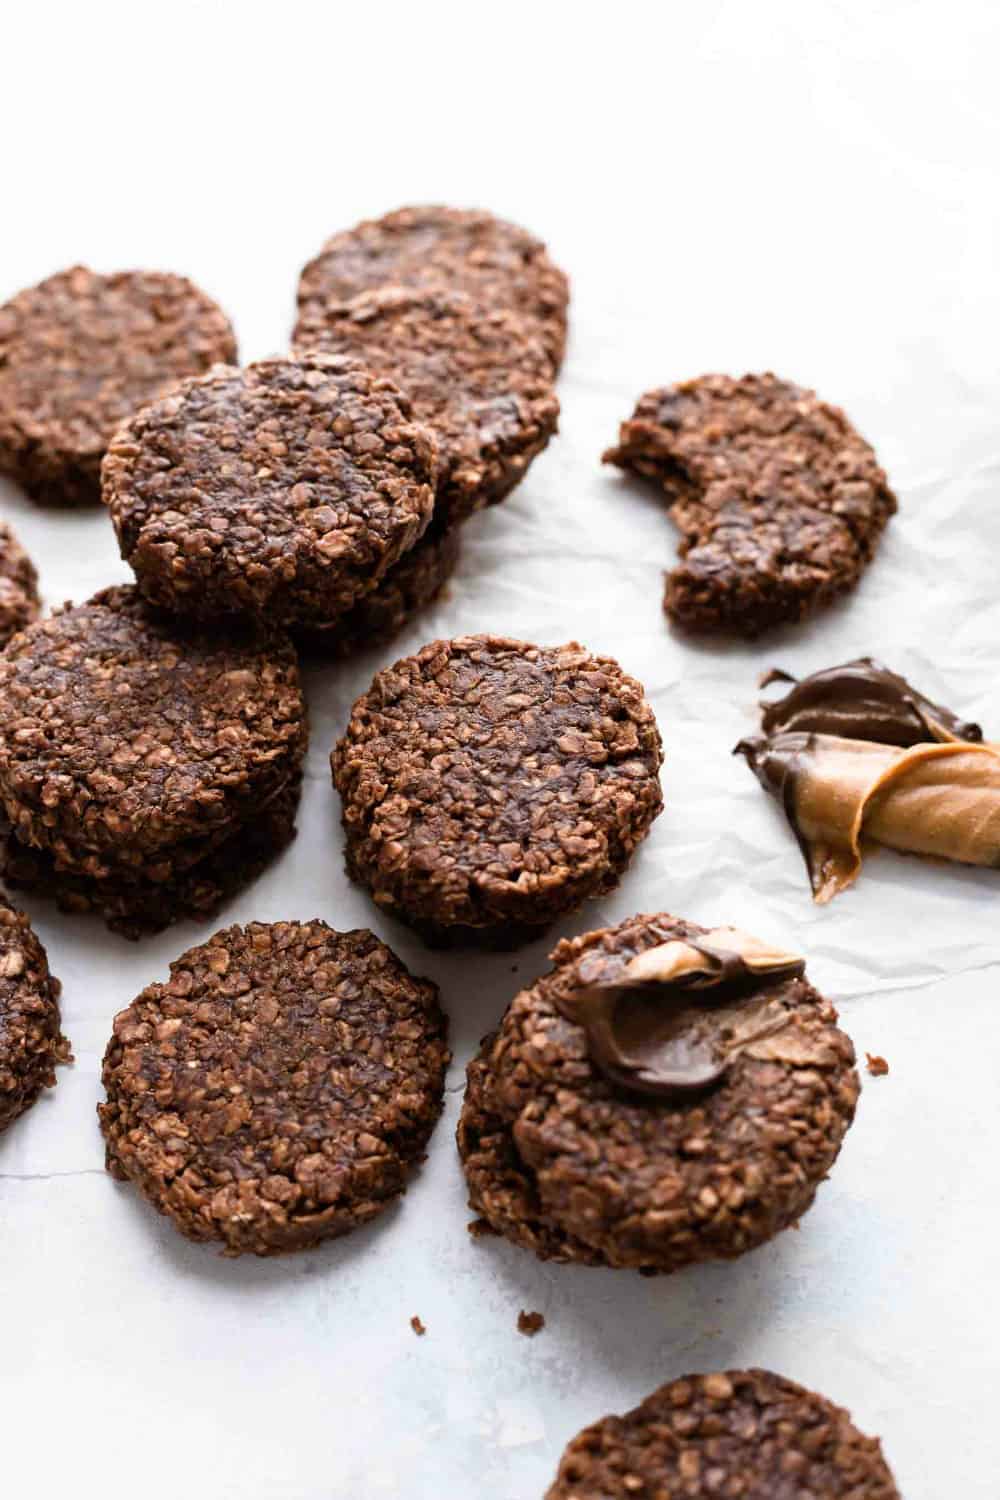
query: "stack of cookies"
323, 491
147, 769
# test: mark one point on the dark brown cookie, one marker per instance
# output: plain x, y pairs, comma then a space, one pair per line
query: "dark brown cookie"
134, 903
19, 602
79, 353
31, 1042
490, 786
578, 1153
477, 376
131, 743
408, 587
277, 1090
780, 502
284, 491
465, 250
747, 1434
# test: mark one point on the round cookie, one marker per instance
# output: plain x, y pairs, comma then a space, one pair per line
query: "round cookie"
495, 262
278, 1089
569, 1154
31, 1042
79, 353
129, 743
408, 588
19, 602
477, 376
779, 501
284, 491
134, 903
490, 786
741, 1433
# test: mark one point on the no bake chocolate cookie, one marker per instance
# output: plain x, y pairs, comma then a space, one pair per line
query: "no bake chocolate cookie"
79, 353
133, 748
664, 1095
284, 491
477, 376
278, 1089
490, 786
779, 501
31, 1039
19, 602
856, 756
497, 263
741, 1433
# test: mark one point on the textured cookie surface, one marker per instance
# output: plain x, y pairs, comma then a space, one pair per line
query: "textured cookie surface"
780, 502
31, 1042
283, 491
490, 786
734, 1435
19, 602
128, 741
568, 1164
136, 901
79, 353
276, 1091
409, 587
477, 376
495, 262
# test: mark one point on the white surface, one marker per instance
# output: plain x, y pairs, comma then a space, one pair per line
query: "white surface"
808, 188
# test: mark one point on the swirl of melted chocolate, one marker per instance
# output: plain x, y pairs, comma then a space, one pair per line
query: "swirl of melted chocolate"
862, 700
671, 1021
855, 754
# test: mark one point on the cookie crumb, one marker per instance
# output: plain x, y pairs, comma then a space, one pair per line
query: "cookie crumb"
482, 1229
877, 1066
418, 1327
530, 1323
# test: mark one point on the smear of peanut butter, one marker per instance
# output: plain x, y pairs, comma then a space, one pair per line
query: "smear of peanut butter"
935, 799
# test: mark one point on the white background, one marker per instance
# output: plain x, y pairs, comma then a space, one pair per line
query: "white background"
805, 187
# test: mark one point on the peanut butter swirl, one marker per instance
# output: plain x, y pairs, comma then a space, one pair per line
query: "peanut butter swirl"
671, 1021
857, 755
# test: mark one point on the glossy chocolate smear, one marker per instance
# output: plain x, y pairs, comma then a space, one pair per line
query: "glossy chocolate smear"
862, 700
939, 799
670, 1022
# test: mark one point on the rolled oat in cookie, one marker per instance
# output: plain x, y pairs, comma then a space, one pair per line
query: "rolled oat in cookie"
666, 1094
136, 902
278, 1089
495, 262
409, 587
31, 1041
283, 492
490, 786
79, 353
477, 376
740, 1433
779, 501
19, 602
133, 747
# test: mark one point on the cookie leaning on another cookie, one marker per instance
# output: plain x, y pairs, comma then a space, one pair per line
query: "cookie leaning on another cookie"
283, 492
135, 751
278, 1089
779, 501
664, 1095
496, 263
477, 376
79, 353
745, 1434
